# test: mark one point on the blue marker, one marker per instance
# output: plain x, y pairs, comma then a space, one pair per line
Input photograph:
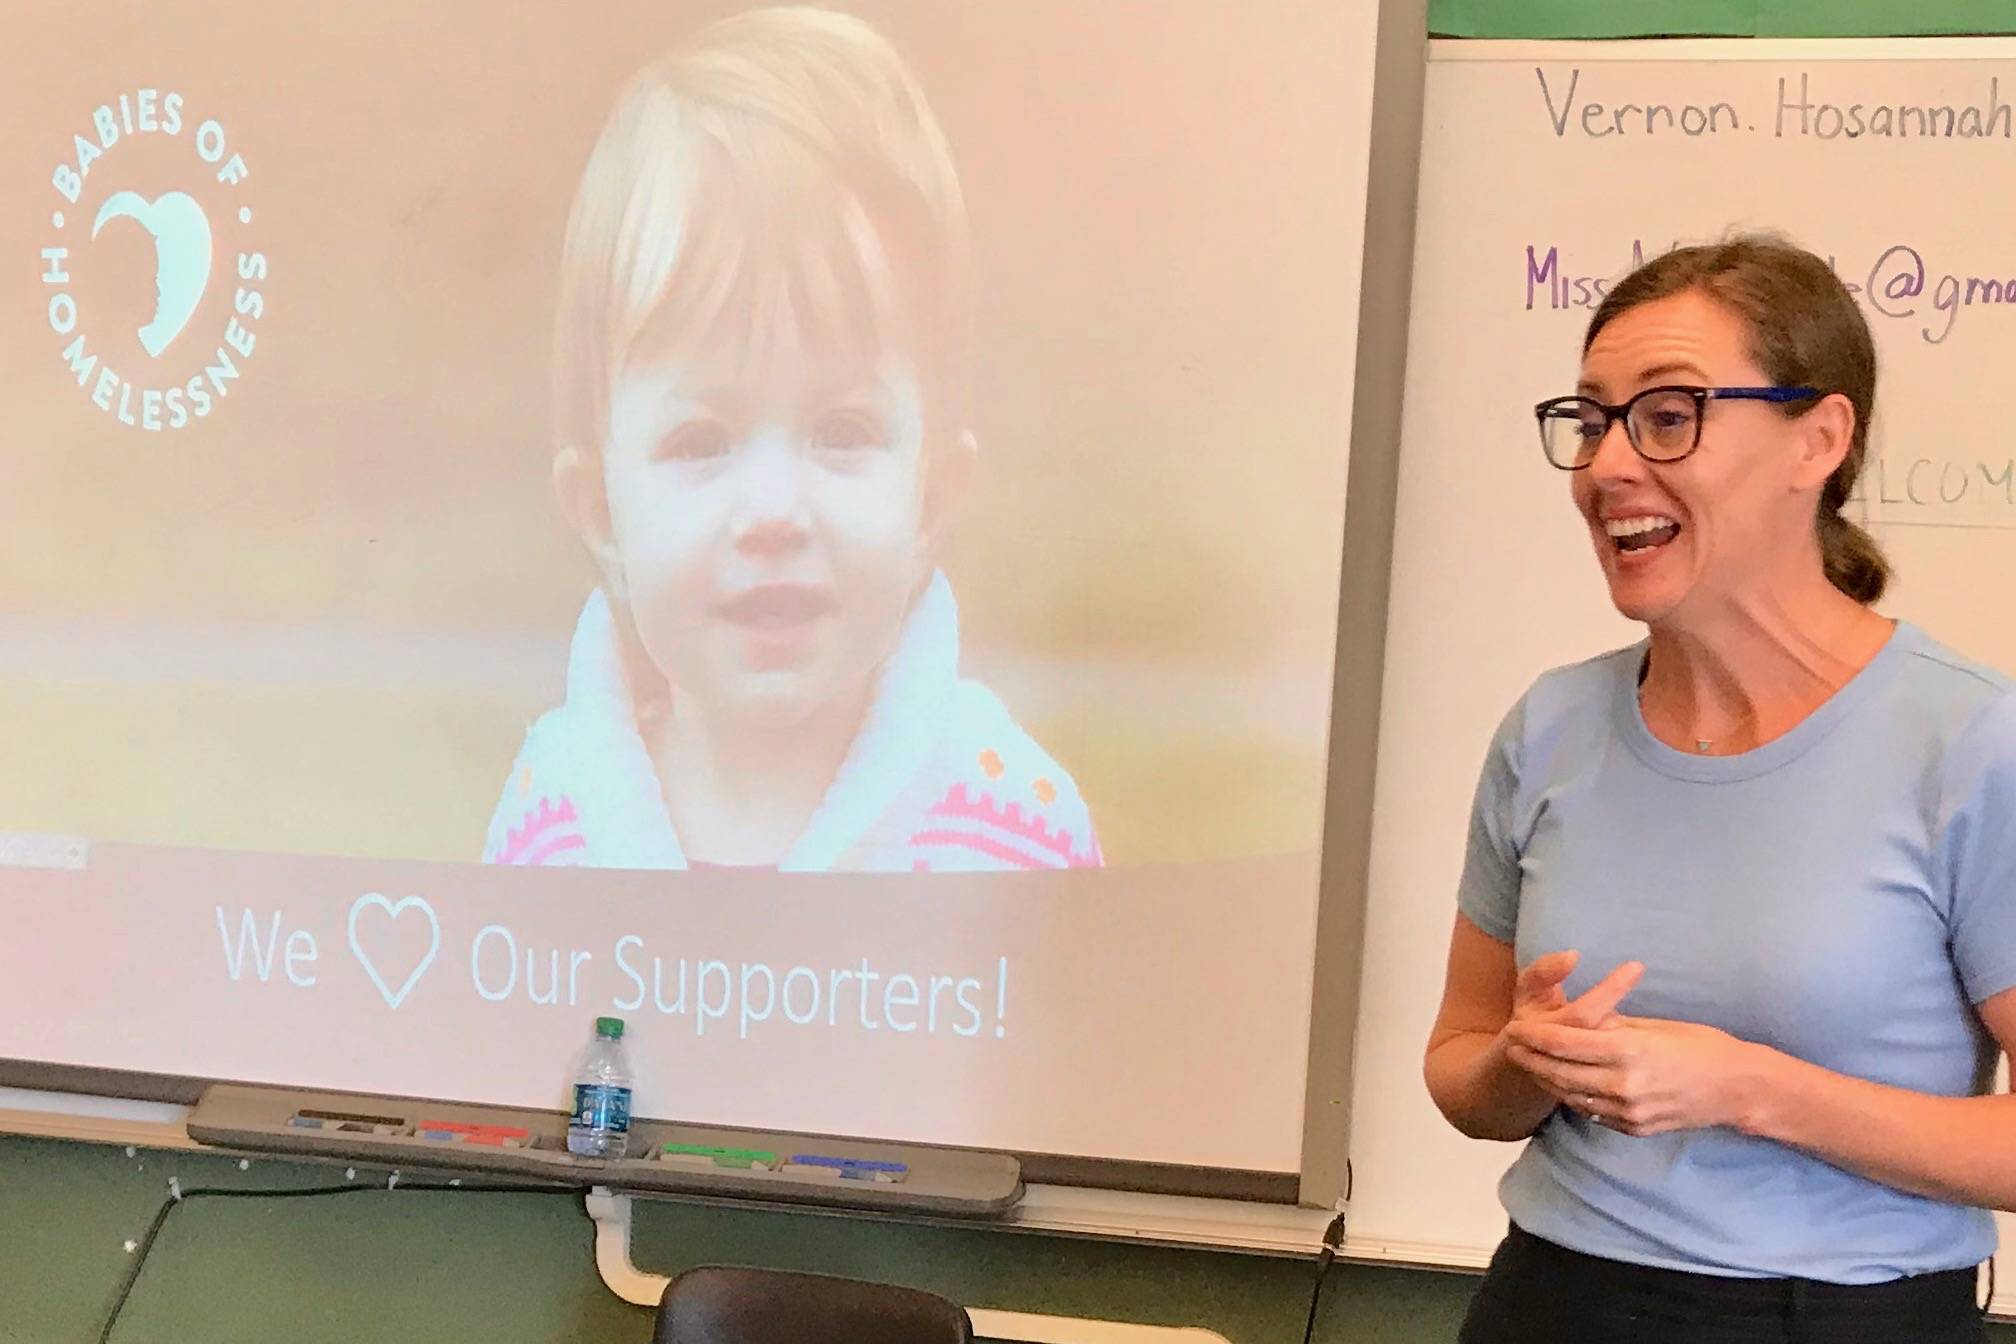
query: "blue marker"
852, 1168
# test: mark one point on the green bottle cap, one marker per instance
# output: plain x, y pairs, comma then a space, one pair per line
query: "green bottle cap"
611, 1027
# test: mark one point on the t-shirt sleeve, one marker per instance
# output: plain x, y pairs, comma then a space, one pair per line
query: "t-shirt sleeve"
1978, 841
1488, 894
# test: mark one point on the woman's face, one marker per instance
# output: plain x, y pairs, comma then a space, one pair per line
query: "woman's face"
1720, 524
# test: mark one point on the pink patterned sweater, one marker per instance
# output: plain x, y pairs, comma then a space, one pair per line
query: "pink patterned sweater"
939, 779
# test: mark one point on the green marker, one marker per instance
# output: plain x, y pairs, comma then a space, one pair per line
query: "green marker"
715, 1155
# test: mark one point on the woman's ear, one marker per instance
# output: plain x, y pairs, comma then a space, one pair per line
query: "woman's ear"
577, 479
1827, 432
948, 479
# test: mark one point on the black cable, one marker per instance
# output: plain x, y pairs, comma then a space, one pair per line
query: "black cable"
1333, 1237
176, 1200
1988, 1304
1332, 1242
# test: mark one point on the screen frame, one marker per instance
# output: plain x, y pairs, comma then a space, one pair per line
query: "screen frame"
1385, 280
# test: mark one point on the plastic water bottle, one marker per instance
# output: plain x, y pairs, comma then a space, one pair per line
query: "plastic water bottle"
600, 1124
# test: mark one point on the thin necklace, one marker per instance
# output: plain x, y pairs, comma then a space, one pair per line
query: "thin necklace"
1701, 744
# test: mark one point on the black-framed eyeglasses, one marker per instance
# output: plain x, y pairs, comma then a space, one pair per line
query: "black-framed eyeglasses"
1662, 423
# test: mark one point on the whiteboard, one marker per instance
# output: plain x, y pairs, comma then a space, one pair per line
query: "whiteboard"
1526, 201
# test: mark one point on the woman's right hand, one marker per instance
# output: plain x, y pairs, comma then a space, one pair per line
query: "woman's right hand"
1538, 996
1469, 1065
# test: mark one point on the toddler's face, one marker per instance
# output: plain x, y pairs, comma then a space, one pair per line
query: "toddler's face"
766, 519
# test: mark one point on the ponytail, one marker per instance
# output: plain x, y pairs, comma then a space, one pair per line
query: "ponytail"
1854, 562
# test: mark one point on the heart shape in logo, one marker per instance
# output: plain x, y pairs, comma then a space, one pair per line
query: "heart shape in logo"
394, 909
181, 234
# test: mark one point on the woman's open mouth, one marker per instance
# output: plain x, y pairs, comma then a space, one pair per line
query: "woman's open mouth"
1643, 533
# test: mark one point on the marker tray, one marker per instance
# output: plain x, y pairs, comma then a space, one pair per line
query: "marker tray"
943, 1181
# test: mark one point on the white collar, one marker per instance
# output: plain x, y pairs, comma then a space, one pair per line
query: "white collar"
624, 804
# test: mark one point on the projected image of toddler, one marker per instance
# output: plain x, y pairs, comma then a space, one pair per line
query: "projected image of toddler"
760, 345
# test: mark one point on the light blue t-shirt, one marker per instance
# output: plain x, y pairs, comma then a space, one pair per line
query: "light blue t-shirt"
1844, 894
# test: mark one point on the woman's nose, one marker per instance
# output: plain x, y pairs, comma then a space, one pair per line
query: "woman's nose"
1614, 457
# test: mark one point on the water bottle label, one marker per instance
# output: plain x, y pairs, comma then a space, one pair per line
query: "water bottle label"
602, 1107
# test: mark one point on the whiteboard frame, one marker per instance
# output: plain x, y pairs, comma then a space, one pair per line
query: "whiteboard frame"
1386, 283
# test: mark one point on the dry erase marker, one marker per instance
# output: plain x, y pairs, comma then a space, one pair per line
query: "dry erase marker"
454, 1131
713, 1155
345, 1122
851, 1168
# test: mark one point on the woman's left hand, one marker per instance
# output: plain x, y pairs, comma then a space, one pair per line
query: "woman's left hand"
1643, 1076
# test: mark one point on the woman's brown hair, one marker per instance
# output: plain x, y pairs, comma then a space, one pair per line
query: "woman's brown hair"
1805, 331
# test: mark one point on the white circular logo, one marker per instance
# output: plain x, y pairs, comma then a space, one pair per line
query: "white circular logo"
175, 210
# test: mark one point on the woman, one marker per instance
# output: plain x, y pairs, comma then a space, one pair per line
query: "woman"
1737, 930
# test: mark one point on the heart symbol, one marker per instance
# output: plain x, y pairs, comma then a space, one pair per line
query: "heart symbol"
181, 236
373, 900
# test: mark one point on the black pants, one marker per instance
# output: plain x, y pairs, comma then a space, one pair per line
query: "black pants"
1537, 1292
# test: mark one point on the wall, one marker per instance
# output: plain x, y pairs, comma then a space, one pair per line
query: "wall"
1717, 18
509, 1268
